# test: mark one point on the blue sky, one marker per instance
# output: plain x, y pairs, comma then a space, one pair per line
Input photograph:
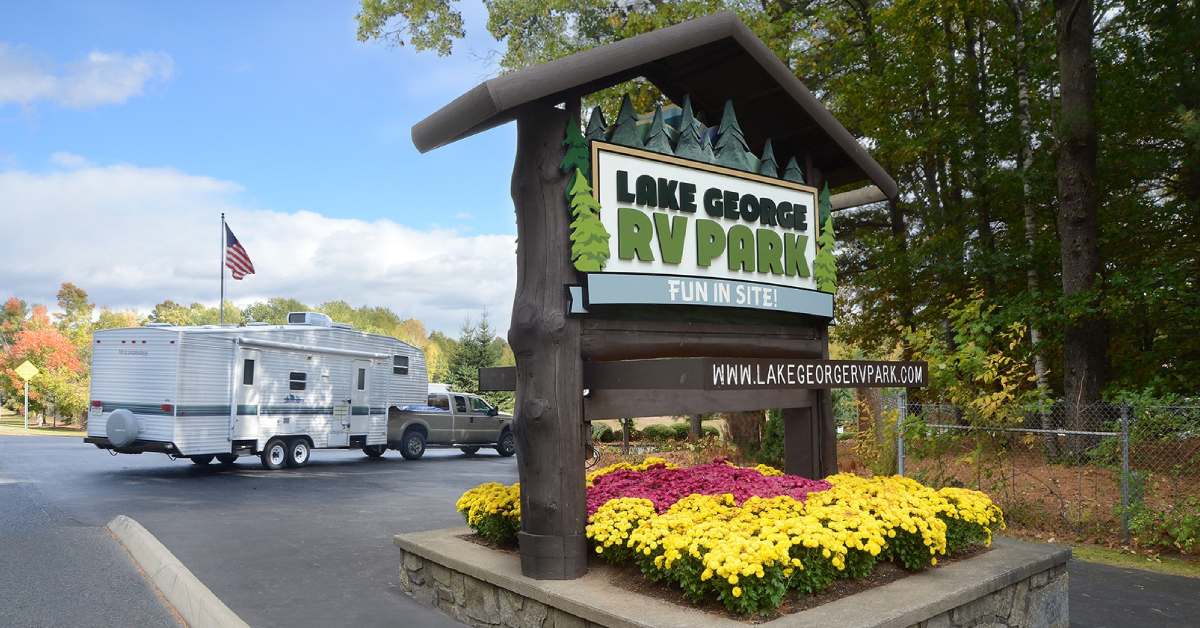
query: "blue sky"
254, 108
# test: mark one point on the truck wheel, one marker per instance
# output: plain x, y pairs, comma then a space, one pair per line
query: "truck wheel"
274, 456
227, 459
507, 445
412, 446
375, 451
202, 460
298, 453
470, 451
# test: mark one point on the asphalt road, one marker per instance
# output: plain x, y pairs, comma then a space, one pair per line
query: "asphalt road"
308, 547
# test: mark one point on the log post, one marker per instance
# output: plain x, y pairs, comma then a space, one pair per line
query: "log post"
549, 404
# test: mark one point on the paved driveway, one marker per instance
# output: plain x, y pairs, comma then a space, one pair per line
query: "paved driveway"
307, 547
310, 547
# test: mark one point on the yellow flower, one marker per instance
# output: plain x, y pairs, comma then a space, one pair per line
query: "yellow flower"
737, 591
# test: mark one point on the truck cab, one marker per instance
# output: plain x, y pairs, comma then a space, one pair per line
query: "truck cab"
450, 419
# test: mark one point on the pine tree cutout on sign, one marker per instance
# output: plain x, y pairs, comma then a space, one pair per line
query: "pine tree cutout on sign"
824, 267
766, 165
589, 238
691, 135
706, 149
596, 127
625, 130
792, 172
656, 138
576, 156
731, 149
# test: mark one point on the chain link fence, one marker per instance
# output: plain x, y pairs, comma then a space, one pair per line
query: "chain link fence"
1090, 469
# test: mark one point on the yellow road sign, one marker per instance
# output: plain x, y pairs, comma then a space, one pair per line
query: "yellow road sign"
27, 370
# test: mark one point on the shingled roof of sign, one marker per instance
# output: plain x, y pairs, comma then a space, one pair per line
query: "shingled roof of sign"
711, 59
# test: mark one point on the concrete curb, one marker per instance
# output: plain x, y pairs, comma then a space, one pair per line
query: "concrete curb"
198, 606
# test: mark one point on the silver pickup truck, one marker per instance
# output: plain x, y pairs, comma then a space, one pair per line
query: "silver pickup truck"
450, 419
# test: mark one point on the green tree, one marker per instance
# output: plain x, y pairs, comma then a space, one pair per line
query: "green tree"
731, 149
767, 165
274, 310
75, 319
625, 130
576, 156
117, 319
691, 135
597, 128
792, 172
476, 348
657, 139
589, 238
825, 267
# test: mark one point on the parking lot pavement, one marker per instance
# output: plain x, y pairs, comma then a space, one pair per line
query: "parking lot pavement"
300, 547
1112, 597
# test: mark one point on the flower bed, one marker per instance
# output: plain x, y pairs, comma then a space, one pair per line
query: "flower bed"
746, 537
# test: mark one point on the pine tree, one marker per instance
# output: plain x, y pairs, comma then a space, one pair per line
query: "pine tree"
706, 149
792, 173
691, 135
625, 130
656, 138
731, 149
589, 238
596, 127
824, 267
766, 165
576, 156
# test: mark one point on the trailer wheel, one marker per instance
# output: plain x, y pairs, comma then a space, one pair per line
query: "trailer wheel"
412, 446
274, 455
470, 451
298, 453
507, 445
227, 459
202, 460
375, 451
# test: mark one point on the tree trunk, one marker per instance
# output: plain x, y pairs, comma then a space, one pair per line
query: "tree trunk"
1086, 334
549, 425
696, 429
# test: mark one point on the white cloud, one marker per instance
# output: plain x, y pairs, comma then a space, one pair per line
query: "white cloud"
133, 236
68, 160
100, 78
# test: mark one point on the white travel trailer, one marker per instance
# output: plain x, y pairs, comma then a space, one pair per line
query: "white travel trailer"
277, 391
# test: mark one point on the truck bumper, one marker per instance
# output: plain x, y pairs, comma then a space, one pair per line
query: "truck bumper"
137, 447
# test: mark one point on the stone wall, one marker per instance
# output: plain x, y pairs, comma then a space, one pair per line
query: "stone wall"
475, 602
1038, 601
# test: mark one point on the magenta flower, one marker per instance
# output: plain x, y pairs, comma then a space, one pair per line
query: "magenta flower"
664, 486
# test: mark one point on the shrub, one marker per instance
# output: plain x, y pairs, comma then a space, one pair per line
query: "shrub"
602, 433
680, 431
1176, 528
659, 432
493, 510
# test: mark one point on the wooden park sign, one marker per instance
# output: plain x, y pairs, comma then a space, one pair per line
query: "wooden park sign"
667, 264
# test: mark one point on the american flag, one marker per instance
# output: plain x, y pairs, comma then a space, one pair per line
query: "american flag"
236, 258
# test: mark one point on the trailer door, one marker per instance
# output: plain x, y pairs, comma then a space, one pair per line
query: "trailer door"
360, 398
245, 420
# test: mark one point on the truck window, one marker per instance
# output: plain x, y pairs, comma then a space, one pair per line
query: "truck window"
440, 401
247, 372
460, 404
479, 405
297, 380
400, 365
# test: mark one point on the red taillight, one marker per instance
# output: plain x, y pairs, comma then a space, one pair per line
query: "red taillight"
168, 408
96, 403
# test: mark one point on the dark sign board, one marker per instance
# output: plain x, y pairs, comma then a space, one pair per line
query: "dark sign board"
733, 374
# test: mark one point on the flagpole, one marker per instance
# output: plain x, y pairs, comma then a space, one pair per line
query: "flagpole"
221, 303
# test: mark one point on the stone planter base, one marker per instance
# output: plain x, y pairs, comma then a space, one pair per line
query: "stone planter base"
1015, 584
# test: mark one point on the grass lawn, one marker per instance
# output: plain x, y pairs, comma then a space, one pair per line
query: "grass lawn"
1173, 565
14, 425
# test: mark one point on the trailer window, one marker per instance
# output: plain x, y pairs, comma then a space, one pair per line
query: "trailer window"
460, 404
297, 380
400, 365
440, 401
247, 372
362, 379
